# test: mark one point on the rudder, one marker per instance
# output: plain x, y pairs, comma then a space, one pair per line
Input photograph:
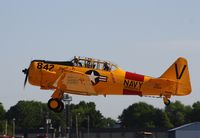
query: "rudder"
179, 73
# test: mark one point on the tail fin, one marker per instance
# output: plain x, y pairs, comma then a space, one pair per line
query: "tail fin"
179, 73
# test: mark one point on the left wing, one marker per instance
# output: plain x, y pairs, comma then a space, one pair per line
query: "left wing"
75, 82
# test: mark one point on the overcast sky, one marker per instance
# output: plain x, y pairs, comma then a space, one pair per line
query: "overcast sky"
144, 36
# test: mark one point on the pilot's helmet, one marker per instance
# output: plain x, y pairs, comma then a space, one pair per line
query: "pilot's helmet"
89, 59
75, 58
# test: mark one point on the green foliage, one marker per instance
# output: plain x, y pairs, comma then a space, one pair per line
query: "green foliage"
138, 115
2, 112
32, 114
2, 119
195, 113
177, 112
28, 114
161, 119
108, 122
84, 111
141, 115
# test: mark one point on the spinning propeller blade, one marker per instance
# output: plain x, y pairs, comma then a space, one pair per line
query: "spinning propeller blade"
25, 71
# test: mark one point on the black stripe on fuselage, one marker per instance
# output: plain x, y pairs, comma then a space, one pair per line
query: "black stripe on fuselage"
64, 63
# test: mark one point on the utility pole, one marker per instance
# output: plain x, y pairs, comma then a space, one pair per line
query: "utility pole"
76, 127
67, 99
6, 128
48, 121
88, 119
13, 127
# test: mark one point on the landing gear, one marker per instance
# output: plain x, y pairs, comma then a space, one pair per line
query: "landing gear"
56, 105
166, 101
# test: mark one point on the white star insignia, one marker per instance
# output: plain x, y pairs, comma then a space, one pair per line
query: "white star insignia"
92, 77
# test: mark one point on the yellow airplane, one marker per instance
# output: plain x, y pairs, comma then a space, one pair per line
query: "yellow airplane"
88, 76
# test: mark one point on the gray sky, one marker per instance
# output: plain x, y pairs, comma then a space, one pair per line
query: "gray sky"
143, 36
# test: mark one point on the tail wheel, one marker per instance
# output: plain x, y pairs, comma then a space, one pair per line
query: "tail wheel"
166, 101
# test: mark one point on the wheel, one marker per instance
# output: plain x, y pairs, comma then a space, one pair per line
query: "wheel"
61, 107
56, 105
53, 104
167, 103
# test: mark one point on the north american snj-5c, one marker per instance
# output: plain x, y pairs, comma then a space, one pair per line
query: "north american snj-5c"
88, 76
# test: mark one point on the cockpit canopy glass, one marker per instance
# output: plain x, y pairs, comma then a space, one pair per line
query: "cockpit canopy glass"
93, 63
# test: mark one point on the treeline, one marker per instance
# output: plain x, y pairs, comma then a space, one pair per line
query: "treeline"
142, 115
33, 115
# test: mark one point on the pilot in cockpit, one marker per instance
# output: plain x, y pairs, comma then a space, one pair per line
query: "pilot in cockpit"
88, 63
106, 66
76, 62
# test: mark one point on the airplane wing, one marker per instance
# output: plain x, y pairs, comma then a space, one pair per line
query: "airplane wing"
75, 83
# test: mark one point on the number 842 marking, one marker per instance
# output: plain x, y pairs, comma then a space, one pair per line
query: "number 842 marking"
48, 67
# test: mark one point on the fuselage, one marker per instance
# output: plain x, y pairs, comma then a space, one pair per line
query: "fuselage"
88, 76
113, 82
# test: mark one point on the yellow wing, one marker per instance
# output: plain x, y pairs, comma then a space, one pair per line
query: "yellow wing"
75, 83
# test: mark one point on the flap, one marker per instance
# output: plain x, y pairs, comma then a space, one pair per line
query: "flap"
75, 82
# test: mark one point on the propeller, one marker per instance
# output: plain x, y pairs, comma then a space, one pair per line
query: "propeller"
26, 72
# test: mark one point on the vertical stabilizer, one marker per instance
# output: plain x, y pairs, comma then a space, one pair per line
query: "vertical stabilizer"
179, 73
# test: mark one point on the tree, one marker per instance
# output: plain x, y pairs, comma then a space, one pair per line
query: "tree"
161, 119
28, 114
2, 119
138, 115
108, 122
84, 111
32, 114
188, 114
178, 113
195, 113
141, 115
